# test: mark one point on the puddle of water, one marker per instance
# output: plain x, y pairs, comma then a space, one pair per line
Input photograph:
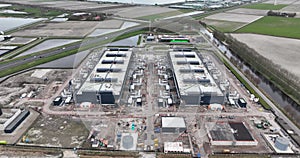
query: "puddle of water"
129, 24
47, 45
12, 12
3, 52
99, 32
7, 24
71, 61
131, 41
59, 19
5, 5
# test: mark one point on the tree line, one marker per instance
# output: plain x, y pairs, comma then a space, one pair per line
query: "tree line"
282, 78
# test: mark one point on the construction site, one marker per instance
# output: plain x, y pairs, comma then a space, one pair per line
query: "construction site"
167, 96
107, 79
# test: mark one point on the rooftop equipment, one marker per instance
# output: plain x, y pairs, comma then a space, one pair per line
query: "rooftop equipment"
282, 143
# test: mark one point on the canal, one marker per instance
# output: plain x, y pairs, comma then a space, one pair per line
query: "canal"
274, 93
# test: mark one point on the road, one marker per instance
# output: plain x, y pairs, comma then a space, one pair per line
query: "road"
86, 42
92, 41
277, 111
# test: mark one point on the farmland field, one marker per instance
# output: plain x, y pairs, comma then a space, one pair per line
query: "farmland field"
243, 18
224, 26
281, 1
140, 11
274, 26
161, 15
282, 51
265, 6
247, 11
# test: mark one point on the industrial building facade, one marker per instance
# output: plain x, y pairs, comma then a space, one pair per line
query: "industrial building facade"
229, 133
104, 84
194, 83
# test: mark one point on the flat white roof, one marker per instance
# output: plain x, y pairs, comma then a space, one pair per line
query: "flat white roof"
188, 81
173, 122
90, 86
173, 147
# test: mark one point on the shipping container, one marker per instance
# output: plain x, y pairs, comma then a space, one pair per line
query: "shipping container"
17, 121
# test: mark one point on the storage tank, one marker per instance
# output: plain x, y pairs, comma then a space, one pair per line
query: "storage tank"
282, 143
215, 107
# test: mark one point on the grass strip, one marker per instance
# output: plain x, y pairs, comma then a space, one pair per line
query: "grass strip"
240, 156
139, 40
127, 35
32, 11
24, 48
265, 6
274, 26
245, 83
61, 55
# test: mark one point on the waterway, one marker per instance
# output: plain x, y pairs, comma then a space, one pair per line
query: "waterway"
74, 60
69, 62
272, 91
48, 44
10, 23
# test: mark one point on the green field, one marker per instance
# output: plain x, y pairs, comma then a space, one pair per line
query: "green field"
239, 156
32, 12
274, 26
265, 6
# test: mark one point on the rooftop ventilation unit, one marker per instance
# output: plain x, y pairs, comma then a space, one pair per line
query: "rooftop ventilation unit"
196, 80
191, 70
182, 49
118, 49
113, 62
184, 55
105, 79
188, 62
108, 70
115, 55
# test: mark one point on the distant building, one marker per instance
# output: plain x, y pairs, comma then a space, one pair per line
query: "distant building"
176, 147
173, 39
79, 16
83, 16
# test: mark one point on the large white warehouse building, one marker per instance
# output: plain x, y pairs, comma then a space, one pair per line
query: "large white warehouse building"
104, 85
